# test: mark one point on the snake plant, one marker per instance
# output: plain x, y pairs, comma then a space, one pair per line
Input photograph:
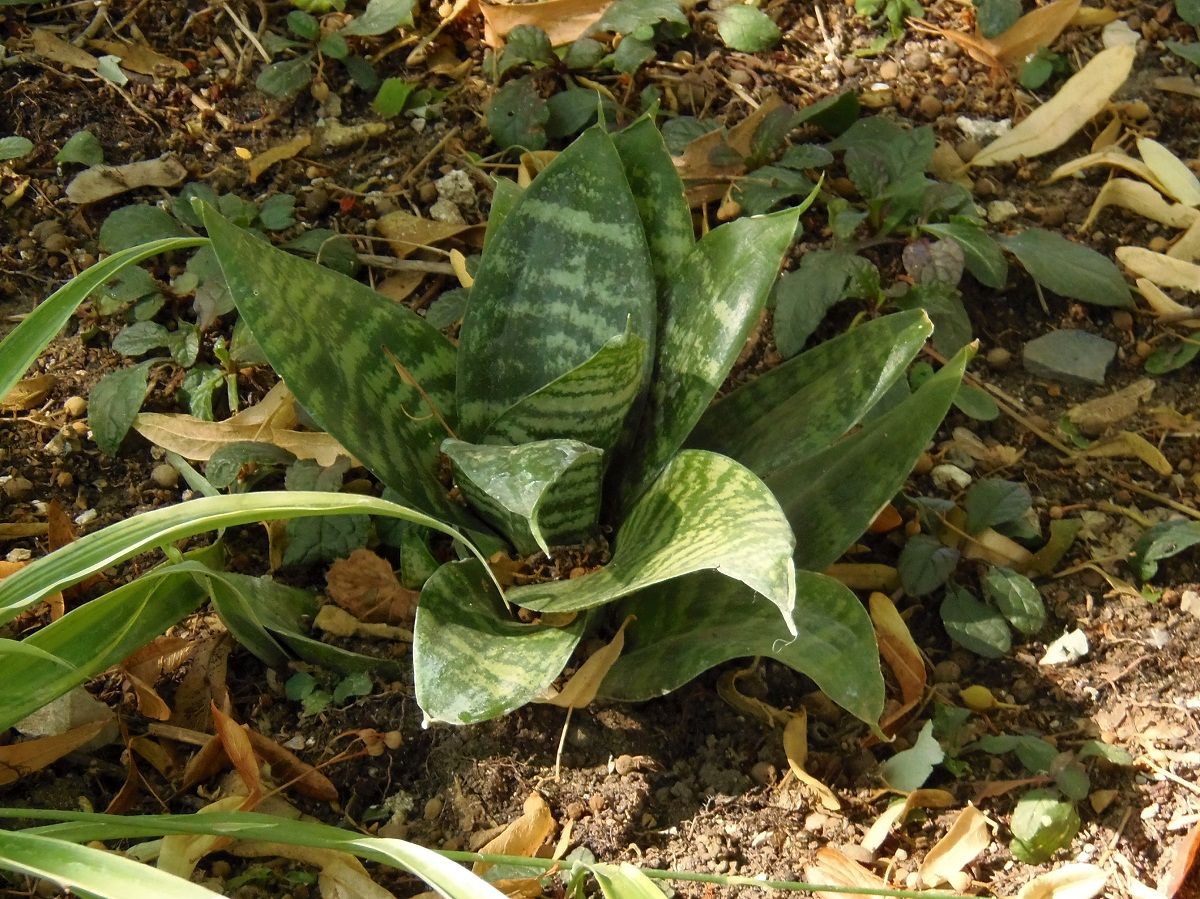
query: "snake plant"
577, 416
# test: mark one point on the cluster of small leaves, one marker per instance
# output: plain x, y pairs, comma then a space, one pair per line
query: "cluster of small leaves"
1045, 819
151, 308
317, 692
313, 40
930, 560
532, 110
889, 13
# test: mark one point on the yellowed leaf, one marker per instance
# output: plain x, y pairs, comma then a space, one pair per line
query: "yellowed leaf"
795, 747
1037, 28
967, 837
103, 181
277, 154
882, 826
532, 163
335, 136
180, 853
1096, 416
865, 575
1114, 157
994, 547
523, 836
27, 393
277, 410
1108, 135
562, 20
1075, 881
49, 45
458, 262
1163, 270
1053, 124
337, 621
581, 689
408, 233
835, 868
1187, 247
196, 439
1175, 176
19, 759
750, 706
900, 651
1178, 84
1093, 17
1143, 199
142, 59
149, 703
19, 530
399, 286
1126, 445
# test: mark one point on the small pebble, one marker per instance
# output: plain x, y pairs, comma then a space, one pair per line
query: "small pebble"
623, 764
57, 243
1143, 349
741, 78
1123, 321
1054, 215
986, 187
998, 357
64, 479
947, 671
950, 476
18, 489
762, 773
917, 60
315, 202
596, 803
75, 406
165, 476
930, 106
427, 191
851, 66
433, 808
1159, 244
889, 70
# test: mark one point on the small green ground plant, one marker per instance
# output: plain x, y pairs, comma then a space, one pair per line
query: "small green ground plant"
574, 412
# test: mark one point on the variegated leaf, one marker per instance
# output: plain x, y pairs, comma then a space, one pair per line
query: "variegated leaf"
658, 192
797, 409
566, 269
471, 660
704, 512
504, 195
537, 494
591, 403
330, 338
832, 497
704, 619
710, 308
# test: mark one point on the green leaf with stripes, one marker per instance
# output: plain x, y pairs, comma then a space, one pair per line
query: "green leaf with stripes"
832, 497
591, 403
709, 310
659, 195
22, 344
566, 269
472, 660
538, 495
161, 527
335, 342
705, 512
704, 619
797, 409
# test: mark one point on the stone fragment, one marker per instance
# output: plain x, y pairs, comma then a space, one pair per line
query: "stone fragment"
1070, 356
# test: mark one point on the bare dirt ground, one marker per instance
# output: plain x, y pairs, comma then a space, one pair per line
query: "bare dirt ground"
686, 781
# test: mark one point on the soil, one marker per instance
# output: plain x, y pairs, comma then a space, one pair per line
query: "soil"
683, 782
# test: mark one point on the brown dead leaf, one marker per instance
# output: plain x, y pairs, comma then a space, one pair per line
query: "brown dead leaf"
399, 286
49, 45
1178, 84
163, 759
19, 759
563, 20
1127, 445
1143, 199
103, 181
795, 747
409, 233
900, 651
142, 59
236, 742
203, 683
865, 575
149, 703
750, 706
706, 157
19, 530
54, 600
337, 621
196, 439
835, 868
1183, 864
882, 826
524, 836
1038, 28
1078, 101
27, 393
581, 689
1075, 881
1096, 416
288, 769
277, 154
967, 837
366, 587
993, 788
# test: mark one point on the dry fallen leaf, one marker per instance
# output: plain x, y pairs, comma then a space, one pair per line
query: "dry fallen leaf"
236, 742
196, 439
408, 233
967, 837
337, 621
563, 20
795, 747
1187, 247
366, 587
835, 868
275, 410
290, 770
27, 393
49, 45
1183, 863
1096, 416
582, 686
994, 547
277, 154
1112, 156
865, 575
1143, 199
1127, 445
103, 181
1037, 28
1163, 270
1171, 171
900, 651
19, 759
1077, 881
524, 836
180, 853
923, 798
142, 59
1077, 102
1093, 17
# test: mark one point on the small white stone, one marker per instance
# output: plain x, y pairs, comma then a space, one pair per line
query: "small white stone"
1000, 210
983, 130
445, 211
1118, 34
947, 475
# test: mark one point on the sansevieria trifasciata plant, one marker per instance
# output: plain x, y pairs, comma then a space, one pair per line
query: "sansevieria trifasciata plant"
575, 416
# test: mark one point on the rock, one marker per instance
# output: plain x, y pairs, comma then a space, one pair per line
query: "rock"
1070, 356
946, 476
930, 106
445, 211
18, 489
983, 130
75, 406
624, 764
1054, 216
889, 70
57, 243
762, 773
71, 710
851, 66
947, 671
165, 476
917, 60
998, 358
1000, 211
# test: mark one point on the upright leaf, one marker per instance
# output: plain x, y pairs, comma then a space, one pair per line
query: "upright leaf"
794, 410
537, 494
704, 619
708, 313
832, 497
330, 338
704, 512
658, 193
471, 660
566, 269
591, 403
